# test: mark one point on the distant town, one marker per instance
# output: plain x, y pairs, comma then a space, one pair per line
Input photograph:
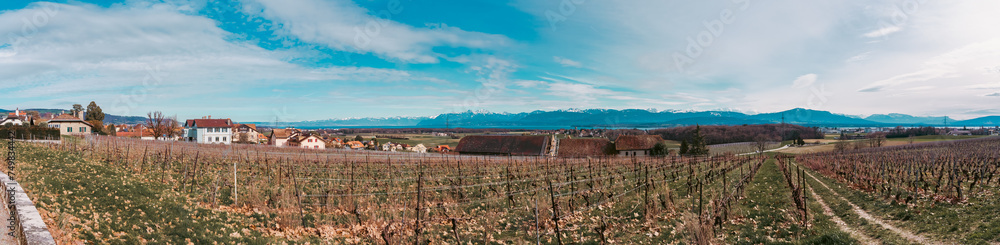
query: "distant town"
89, 120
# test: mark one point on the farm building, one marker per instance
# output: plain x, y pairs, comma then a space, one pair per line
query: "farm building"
504, 145
585, 147
636, 145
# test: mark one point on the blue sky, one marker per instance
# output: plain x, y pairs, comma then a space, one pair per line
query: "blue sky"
266, 60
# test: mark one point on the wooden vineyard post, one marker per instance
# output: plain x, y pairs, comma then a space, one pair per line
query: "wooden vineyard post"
236, 196
700, 203
805, 204
555, 213
420, 181
298, 200
645, 195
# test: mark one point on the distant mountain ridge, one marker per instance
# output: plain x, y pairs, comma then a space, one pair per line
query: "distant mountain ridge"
643, 118
627, 118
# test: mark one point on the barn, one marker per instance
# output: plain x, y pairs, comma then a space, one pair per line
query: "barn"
636, 145
585, 147
504, 145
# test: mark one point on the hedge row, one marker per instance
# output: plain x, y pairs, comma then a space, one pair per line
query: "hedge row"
29, 132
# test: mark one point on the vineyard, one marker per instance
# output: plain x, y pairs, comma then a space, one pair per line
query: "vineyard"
347, 196
947, 190
394, 198
939, 171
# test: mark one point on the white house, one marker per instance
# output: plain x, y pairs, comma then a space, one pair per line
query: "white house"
13, 118
306, 142
209, 131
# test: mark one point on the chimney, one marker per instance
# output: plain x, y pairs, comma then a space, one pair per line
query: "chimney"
209, 116
79, 115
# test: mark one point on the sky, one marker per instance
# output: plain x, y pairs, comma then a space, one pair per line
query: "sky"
297, 60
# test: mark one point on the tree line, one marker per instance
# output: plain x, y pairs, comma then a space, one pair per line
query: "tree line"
745, 133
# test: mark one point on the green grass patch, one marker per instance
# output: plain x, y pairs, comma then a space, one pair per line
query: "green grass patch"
768, 215
101, 204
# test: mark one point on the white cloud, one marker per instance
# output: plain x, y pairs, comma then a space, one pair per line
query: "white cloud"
917, 76
343, 25
861, 57
529, 83
567, 62
804, 81
84, 52
882, 32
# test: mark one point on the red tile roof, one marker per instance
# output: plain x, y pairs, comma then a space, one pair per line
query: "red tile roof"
636, 142
283, 133
503, 145
584, 147
209, 123
68, 118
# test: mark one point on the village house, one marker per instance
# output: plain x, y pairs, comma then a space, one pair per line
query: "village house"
279, 137
14, 118
306, 142
636, 145
246, 133
443, 148
419, 148
209, 131
504, 145
70, 125
354, 145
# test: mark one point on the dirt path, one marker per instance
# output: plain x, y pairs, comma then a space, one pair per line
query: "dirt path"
861, 237
903, 233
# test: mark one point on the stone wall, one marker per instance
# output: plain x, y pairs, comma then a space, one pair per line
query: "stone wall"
29, 228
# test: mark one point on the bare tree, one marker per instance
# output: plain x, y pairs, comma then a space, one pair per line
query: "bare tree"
156, 122
760, 141
243, 138
875, 139
171, 126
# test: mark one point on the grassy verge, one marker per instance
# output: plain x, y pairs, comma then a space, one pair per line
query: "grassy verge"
767, 216
95, 203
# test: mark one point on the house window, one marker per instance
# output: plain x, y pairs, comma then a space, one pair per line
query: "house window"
83, 129
224, 139
216, 138
69, 129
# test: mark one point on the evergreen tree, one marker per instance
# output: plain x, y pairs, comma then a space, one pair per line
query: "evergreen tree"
684, 147
76, 109
659, 149
358, 138
94, 113
698, 146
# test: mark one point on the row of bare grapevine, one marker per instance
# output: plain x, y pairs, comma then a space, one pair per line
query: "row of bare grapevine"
941, 171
